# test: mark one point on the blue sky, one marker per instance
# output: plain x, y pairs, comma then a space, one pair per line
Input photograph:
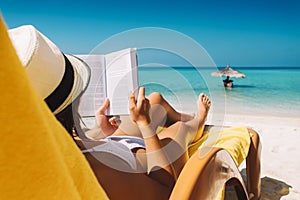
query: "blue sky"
239, 32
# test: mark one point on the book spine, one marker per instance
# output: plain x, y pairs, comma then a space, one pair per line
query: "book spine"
107, 112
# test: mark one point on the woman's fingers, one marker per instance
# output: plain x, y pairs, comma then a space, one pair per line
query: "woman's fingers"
139, 108
141, 93
132, 102
103, 107
114, 121
141, 98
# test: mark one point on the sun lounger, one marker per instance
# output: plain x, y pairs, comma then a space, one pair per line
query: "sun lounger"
209, 169
204, 176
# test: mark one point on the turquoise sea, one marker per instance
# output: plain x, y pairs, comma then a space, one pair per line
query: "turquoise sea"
265, 91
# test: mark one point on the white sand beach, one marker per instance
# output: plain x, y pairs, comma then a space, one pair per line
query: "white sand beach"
280, 162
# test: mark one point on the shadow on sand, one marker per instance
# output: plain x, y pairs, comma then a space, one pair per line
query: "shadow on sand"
271, 189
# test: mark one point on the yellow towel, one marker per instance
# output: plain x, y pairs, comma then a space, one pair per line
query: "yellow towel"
38, 159
236, 140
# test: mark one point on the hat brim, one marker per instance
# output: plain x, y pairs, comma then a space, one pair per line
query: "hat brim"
82, 74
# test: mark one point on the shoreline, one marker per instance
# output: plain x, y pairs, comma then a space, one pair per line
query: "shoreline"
188, 105
255, 119
280, 163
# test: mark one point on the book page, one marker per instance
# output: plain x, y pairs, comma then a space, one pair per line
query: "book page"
95, 94
121, 79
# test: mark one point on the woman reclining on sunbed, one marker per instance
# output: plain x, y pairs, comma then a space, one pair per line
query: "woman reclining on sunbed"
162, 156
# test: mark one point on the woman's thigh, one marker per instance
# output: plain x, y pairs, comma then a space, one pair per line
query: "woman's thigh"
157, 115
175, 144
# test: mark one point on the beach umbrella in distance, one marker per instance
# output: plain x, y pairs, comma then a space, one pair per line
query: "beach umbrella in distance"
229, 73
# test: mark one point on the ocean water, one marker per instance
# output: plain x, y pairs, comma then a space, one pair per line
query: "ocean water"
265, 90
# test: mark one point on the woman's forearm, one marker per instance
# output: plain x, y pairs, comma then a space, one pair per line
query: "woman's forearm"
156, 157
95, 133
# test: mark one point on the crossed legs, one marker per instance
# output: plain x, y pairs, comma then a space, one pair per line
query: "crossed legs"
185, 131
177, 138
161, 114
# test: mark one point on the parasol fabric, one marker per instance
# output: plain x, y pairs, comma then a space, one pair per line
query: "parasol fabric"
229, 72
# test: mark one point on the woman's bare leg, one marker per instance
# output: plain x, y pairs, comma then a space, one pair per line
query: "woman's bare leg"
187, 132
180, 135
172, 116
199, 122
161, 114
253, 165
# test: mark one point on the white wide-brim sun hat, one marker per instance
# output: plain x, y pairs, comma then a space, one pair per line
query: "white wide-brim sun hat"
59, 78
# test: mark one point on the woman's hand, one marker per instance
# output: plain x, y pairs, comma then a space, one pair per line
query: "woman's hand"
108, 125
139, 109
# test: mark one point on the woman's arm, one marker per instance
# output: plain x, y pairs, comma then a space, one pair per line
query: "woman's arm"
156, 157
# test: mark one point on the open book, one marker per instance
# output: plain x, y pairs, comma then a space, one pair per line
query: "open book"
114, 76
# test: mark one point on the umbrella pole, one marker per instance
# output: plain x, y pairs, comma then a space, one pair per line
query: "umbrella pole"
228, 83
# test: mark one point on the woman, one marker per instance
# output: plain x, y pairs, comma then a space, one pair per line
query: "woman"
163, 155
182, 131
61, 80
162, 159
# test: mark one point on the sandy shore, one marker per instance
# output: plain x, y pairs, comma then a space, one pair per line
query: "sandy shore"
280, 161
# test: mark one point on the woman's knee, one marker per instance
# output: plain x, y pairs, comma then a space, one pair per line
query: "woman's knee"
175, 131
255, 140
155, 98
253, 133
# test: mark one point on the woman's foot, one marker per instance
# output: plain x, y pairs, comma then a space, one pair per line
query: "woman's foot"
203, 108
